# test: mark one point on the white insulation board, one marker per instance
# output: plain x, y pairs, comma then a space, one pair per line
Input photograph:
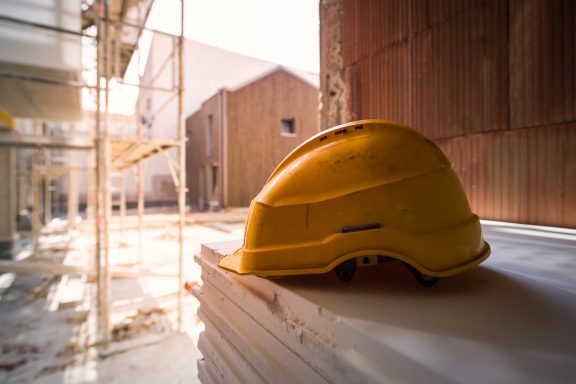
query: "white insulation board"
511, 320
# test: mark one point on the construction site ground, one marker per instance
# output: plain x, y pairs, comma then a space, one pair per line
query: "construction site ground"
48, 322
48, 326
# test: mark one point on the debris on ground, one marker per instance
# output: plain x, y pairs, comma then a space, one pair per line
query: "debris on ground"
14, 355
154, 320
49, 327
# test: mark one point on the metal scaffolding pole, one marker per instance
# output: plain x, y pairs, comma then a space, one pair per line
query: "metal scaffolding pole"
182, 161
102, 179
72, 192
36, 196
140, 175
98, 195
106, 178
139, 169
47, 199
100, 199
122, 207
105, 165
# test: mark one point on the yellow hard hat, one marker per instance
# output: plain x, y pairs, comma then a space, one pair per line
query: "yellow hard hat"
361, 193
6, 120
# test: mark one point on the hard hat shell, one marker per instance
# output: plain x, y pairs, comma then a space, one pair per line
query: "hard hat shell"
364, 188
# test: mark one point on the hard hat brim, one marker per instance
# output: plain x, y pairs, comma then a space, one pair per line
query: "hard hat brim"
233, 263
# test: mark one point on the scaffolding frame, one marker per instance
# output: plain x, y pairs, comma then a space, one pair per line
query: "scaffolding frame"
111, 154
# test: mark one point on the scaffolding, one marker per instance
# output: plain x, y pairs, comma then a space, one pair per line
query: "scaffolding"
112, 154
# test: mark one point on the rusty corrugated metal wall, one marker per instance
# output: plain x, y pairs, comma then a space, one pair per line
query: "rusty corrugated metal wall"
492, 82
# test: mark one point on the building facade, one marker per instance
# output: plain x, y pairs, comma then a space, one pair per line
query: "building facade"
238, 137
28, 53
491, 82
207, 69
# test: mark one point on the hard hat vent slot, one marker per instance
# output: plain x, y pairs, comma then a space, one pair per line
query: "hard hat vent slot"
385, 259
362, 227
340, 131
359, 127
323, 138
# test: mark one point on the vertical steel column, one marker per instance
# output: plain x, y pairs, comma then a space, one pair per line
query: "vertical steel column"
182, 163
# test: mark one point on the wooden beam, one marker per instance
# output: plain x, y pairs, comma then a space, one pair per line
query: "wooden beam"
60, 269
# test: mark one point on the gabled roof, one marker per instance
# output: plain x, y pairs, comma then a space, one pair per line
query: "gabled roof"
310, 78
210, 69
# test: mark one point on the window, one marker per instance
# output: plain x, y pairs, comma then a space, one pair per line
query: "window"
288, 127
209, 136
214, 177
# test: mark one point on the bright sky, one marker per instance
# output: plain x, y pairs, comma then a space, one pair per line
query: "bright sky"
282, 31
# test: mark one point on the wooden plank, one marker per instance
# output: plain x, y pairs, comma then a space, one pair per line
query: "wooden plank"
60, 269
14, 139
